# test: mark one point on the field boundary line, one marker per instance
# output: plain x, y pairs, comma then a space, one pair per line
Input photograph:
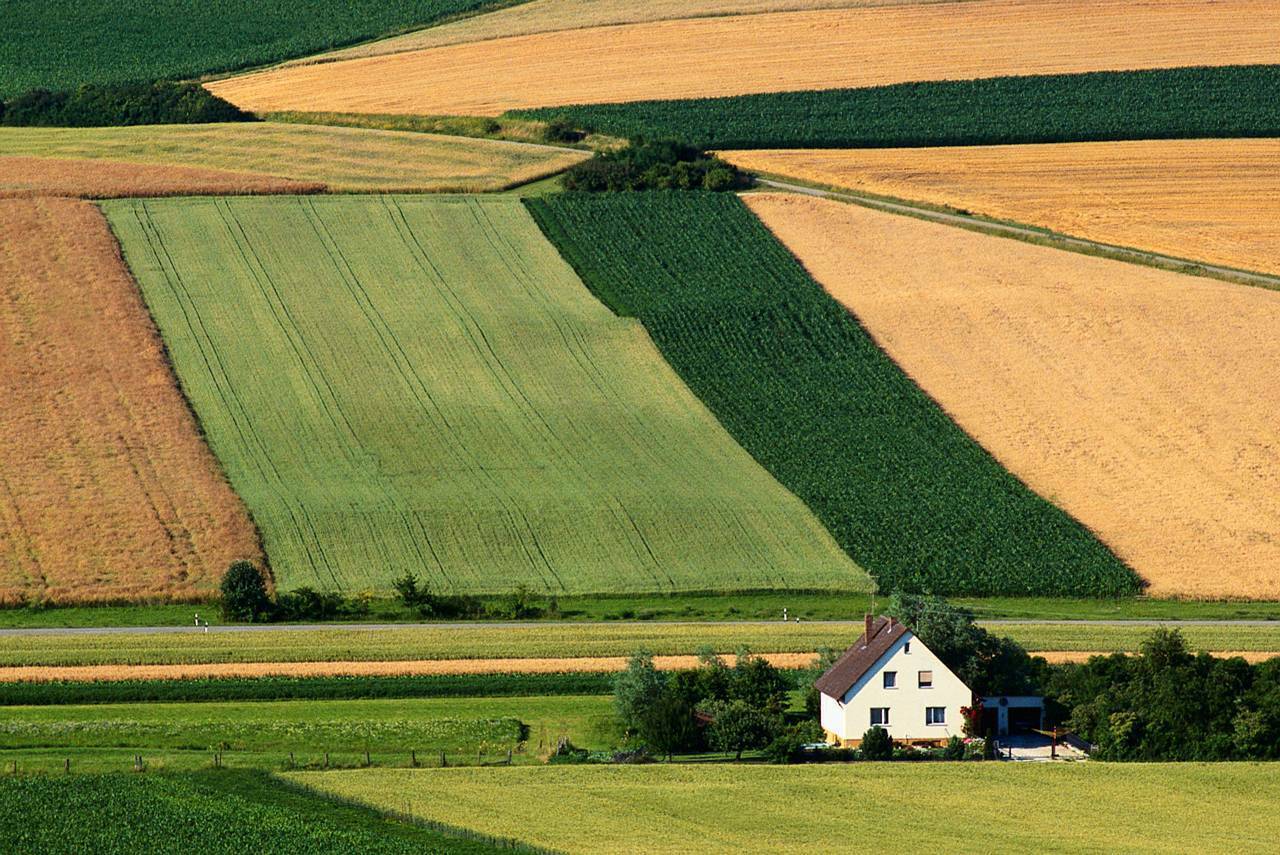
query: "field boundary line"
1032, 234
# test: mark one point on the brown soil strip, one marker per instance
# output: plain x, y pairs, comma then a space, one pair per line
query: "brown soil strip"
774, 53
24, 177
408, 667
107, 491
1140, 401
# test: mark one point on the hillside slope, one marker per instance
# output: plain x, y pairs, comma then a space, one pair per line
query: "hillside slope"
777, 52
1142, 401
805, 389
408, 383
106, 490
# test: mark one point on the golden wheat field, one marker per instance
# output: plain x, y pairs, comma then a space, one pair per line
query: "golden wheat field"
107, 491
1216, 201
774, 52
25, 177
549, 16
338, 159
1142, 402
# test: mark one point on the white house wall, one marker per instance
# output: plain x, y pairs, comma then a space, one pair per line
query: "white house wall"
850, 717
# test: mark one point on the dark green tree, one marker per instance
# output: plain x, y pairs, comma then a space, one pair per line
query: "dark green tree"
636, 690
737, 726
876, 745
244, 593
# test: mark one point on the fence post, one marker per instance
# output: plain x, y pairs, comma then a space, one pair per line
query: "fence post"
443, 761
413, 759
66, 765
326, 759
291, 763
367, 761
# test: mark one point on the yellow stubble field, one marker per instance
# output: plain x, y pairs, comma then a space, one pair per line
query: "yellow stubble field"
107, 491
776, 52
1216, 201
1140, 401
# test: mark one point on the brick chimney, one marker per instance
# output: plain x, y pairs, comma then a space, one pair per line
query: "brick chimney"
868, 620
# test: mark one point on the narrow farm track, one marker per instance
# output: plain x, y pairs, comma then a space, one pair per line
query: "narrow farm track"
1034, 235
446, 395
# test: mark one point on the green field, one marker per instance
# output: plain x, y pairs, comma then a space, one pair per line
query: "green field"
973, 807
271, 734
343, 159
211, 813
557, 641
397, 383
1177, 103
59, 44
804, 388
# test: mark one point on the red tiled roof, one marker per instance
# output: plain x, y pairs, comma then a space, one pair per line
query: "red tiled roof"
859, 658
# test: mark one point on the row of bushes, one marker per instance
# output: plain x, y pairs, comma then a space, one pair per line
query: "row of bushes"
652, 165
160, 103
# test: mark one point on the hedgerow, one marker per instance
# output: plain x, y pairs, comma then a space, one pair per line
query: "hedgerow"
301, 688
802, 386
1228, 101
159, 103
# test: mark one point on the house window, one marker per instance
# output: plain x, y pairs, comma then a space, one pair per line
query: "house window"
926, 679
891, 679
935, 715
880, 716
906, 648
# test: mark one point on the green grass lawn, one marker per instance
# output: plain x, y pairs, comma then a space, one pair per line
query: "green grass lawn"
411, 382
276, 734
60, 44
952, 807
210, 812
550, 640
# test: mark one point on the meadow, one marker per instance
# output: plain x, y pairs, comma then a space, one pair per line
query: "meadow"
1060, 365
282, 157
1190, 103
973, 807
1207, 200
60, 44
107, 491
777, 52
804, 388
445, 396
217, 813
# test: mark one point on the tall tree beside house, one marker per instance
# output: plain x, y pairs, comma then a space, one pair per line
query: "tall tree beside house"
987, 664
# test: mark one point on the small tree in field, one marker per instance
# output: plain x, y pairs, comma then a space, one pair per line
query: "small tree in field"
876, 744
736, 726
244, 593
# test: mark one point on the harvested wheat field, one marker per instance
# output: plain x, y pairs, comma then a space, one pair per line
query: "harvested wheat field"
107, 491
1140, 401
550, 16
24, 177
318, 156
1216, 201
778, 52
400, 668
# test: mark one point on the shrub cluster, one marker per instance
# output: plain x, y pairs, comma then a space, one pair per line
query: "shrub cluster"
520, 604
1176, 103
660, 165
1169, 704
160, 103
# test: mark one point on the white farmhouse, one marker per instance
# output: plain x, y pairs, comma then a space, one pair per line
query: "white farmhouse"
890, 679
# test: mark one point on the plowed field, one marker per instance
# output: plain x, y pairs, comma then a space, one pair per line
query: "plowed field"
339, 159
1207, 200
1140, 401
106, 490
773, 53
109, 179
423, 383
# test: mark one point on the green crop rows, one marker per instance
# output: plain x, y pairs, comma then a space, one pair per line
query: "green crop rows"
422, 383
229, 812
1231, 101
59, 44
803, 387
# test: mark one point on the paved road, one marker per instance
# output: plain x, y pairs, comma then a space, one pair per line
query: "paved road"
374, 627
1080, 244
